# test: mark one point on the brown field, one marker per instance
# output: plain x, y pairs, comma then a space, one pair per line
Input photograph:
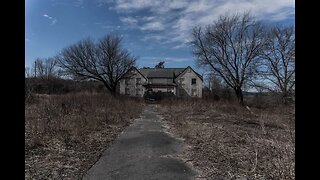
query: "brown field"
227, 141
66, 134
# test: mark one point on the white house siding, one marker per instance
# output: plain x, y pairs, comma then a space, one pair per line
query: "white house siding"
166, 89
133, 86
185, 80
160, 80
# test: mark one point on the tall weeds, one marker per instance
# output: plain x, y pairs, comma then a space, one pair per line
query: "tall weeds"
229, 142
78, 125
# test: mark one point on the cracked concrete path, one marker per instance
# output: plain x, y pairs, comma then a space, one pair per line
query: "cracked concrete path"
142, 151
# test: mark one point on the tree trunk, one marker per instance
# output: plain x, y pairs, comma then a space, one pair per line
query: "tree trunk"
239, 95
285, 98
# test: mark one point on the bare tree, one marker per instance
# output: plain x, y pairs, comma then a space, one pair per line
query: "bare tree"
160, 64
28, 72
279, 54
105, 61
230, 47
45, 68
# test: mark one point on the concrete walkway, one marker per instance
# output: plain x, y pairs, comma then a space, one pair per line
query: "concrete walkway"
141, 153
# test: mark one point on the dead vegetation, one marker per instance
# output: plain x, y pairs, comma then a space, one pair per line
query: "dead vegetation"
66, 134
229, 142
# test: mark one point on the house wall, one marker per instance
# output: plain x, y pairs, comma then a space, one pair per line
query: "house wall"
168, 89
160, 80
184, 81
132, 86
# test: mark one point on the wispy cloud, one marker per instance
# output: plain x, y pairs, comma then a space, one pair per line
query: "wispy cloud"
153, 26
165, 58
171, 21
79, 3
53, 20
47, 16
101, 3
131, 21
107, 25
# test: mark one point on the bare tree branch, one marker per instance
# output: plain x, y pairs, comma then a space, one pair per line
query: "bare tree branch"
231, 47
279, 56
105, 61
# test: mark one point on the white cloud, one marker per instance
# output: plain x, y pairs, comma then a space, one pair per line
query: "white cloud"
79, 3
101, 3
164, 58
47, 16
176, 18
153, 26
129, 21
107, 25
154, 37
53, 20
176, 59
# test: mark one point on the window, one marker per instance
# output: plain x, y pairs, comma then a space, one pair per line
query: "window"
127, 81
193, 81
138, 81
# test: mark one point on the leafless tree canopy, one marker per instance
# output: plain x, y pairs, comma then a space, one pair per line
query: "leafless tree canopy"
45, 68
230, 47
160, 64
279, 55
105, 61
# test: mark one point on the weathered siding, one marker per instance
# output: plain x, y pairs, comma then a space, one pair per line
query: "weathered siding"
185, 81
167, 89
133, 85
160, 80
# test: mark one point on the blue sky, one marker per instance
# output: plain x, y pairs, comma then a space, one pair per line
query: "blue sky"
152, 30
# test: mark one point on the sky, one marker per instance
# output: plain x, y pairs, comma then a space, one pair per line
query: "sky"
152, 30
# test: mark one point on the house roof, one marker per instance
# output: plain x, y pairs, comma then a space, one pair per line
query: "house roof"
128, 74
161, 72
193, 71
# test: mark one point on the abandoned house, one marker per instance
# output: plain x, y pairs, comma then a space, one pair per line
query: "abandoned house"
181, 82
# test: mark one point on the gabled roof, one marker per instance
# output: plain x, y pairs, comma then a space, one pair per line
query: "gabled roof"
171, 73
161, 72
193, 71
128, 74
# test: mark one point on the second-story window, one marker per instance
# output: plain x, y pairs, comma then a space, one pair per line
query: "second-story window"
193, 81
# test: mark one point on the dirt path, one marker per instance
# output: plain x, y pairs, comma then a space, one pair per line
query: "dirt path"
143, 151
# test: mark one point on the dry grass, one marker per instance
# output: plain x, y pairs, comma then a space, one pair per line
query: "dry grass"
66, 134
229, 142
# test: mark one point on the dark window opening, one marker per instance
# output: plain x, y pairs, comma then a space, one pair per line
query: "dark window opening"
193, 81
